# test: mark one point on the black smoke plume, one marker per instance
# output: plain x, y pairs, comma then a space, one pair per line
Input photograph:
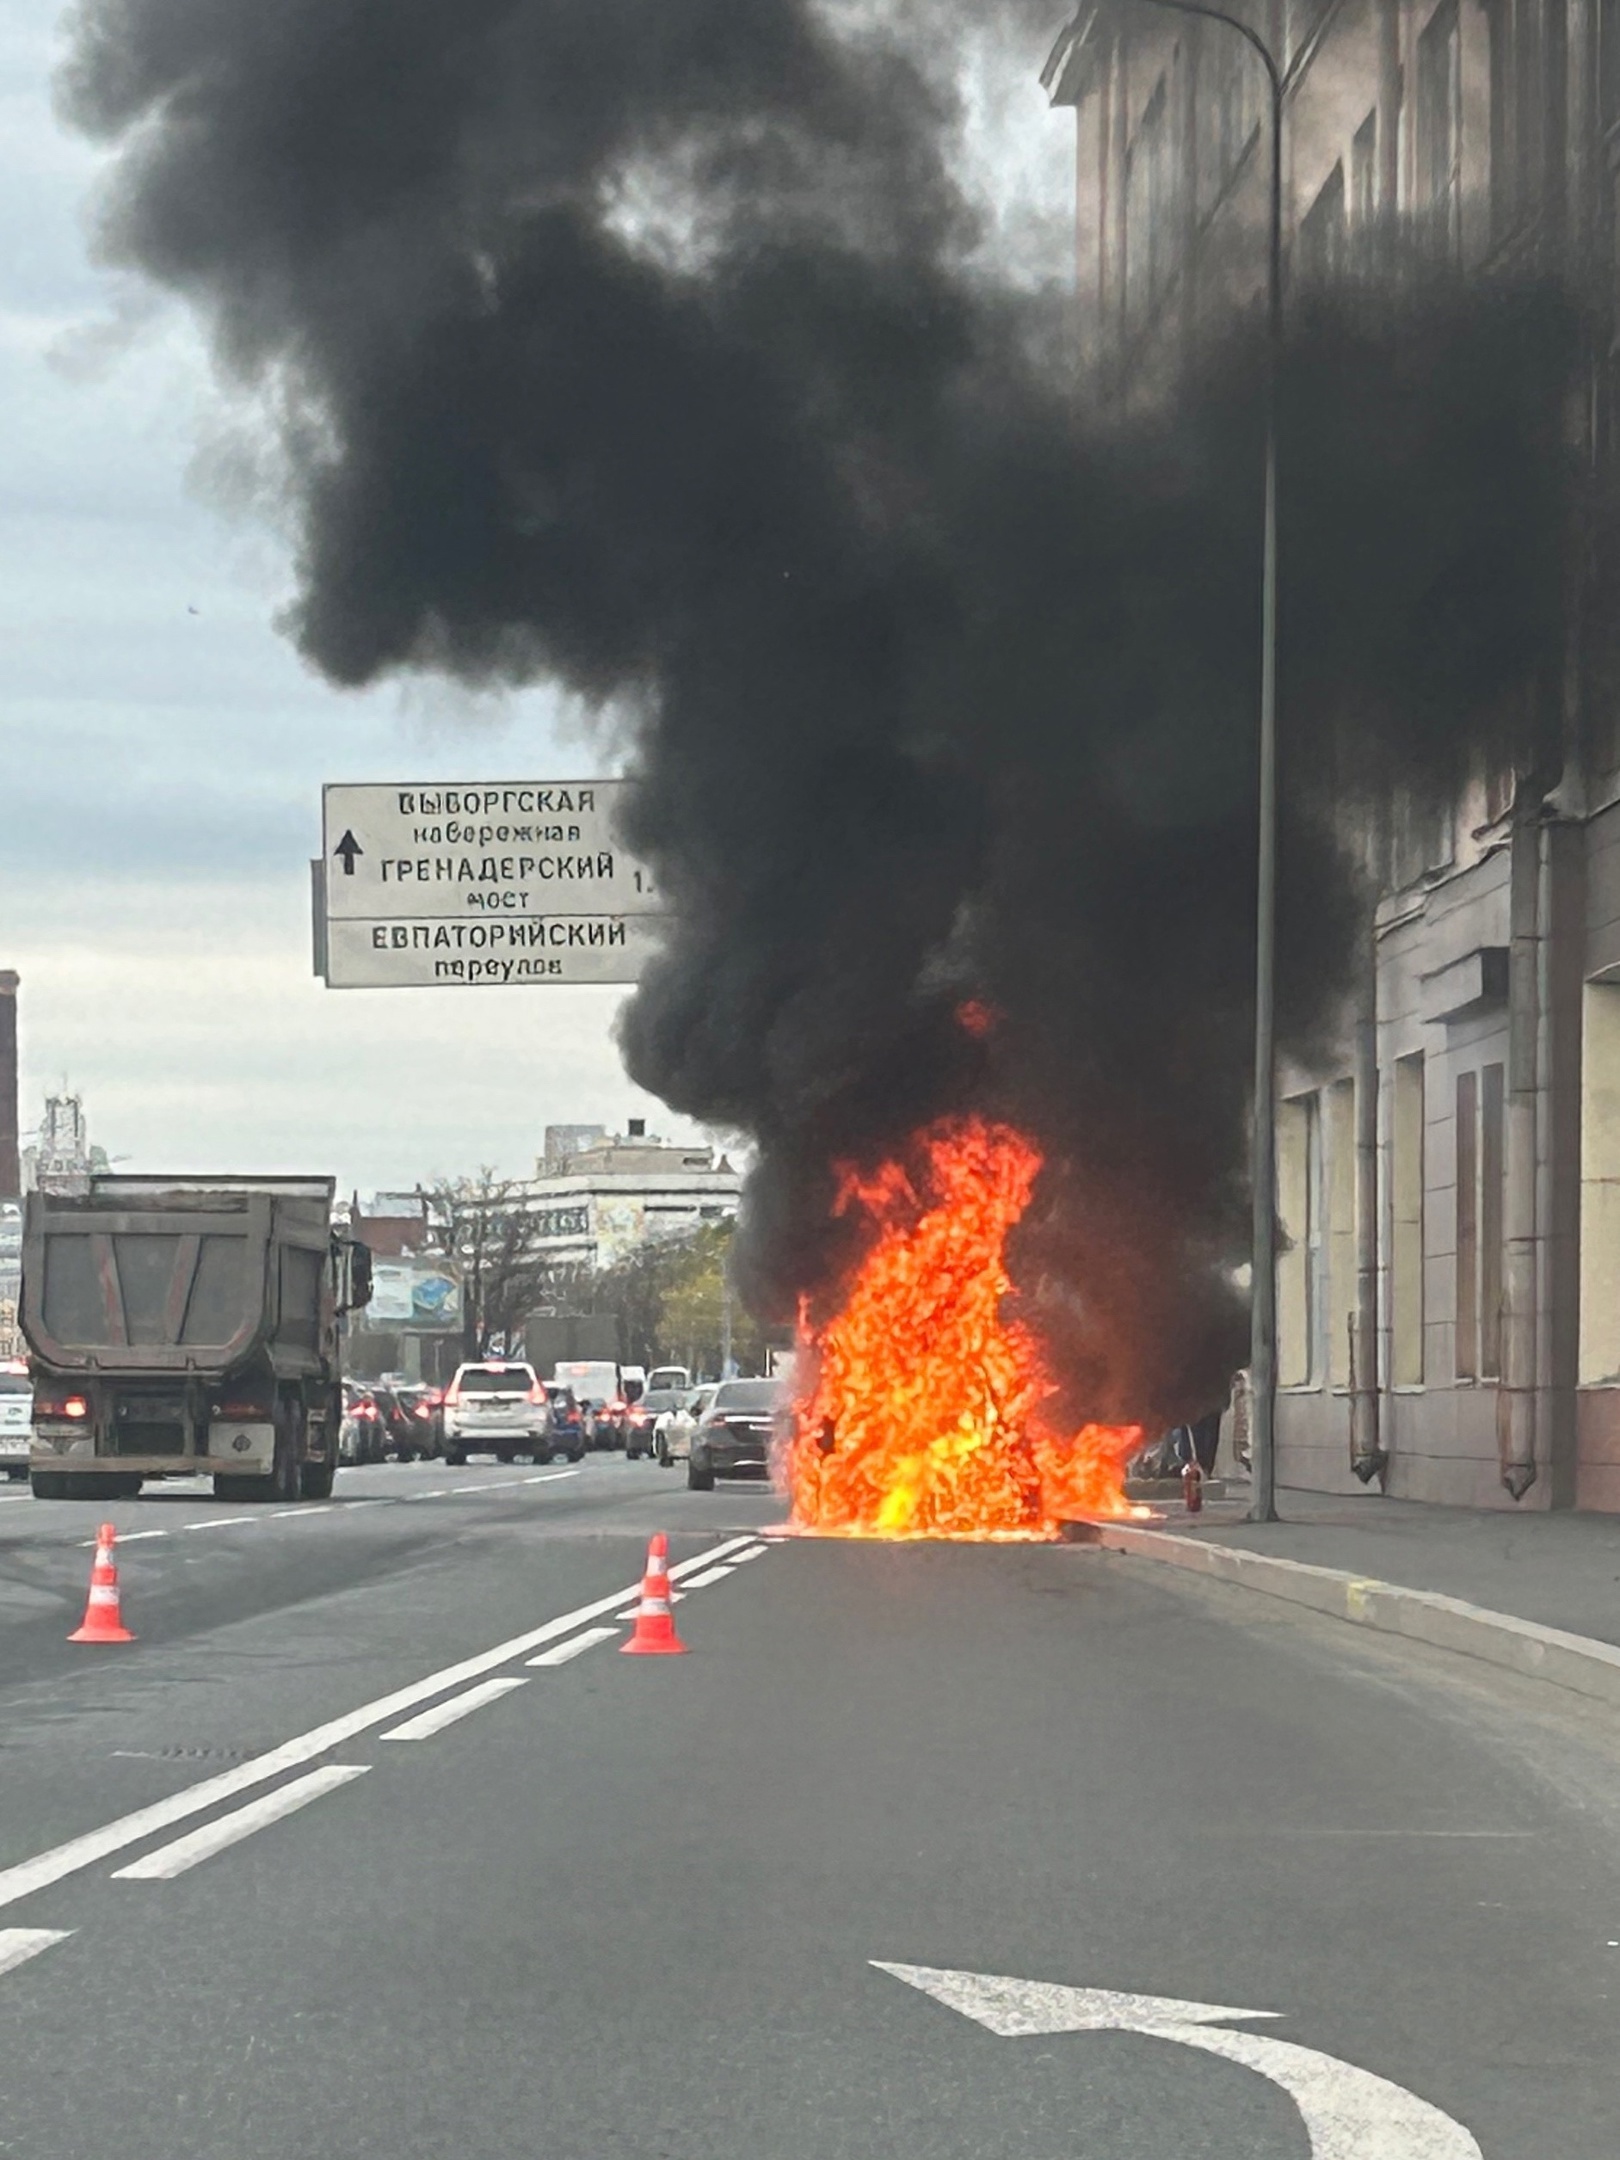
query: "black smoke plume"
650, 346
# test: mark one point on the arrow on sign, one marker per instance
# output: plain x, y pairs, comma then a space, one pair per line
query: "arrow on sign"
348, 847
1349, 2114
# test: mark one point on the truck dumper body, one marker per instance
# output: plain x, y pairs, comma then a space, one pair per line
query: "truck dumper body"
186, 1326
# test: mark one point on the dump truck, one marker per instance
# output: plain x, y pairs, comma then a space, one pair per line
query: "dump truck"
185, 1327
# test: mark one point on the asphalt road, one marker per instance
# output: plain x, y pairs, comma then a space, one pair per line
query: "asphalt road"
630, 1907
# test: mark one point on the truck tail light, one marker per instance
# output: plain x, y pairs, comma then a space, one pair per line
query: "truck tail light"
537, 1395
48, 1403
452, 1396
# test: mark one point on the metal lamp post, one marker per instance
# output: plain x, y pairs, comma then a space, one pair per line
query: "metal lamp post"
1263, 1287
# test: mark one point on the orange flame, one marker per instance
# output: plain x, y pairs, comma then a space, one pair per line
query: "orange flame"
926, 1412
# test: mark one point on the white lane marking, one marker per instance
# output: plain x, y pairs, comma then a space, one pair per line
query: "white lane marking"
749, 1552
386, 1501
174, 1859
709, 1575
220, 1522
493, 1486
18, 1945
428, 1722
1348, 2113
438, 1493
279, 1514
567, 1650
125, 1537
27, 1876
548, 1477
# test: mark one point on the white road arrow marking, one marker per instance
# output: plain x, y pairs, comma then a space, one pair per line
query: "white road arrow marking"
1349, 2114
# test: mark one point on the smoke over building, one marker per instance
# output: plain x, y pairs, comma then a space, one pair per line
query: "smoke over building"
653, 348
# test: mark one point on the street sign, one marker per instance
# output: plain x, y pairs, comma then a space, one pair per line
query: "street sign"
491, 848
1348, 2113
421, 953
484, 883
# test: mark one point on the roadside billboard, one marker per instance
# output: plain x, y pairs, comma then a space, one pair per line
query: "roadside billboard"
417, 1294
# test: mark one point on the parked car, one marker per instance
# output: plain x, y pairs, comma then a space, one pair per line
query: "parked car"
641, 1421
361, 1436
733, 1435
495, 1408
673, 1429
16, 1416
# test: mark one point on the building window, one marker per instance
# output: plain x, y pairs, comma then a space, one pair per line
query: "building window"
1518, 103
1466, 1342
1304, 16
1406, 1225
1341, 1228
1239, 108
1364, 190
1439, 132
1299, 1266
1478, 1223
1600, 1183
1421, 837
1150, 256
1322, 232
1492, 1194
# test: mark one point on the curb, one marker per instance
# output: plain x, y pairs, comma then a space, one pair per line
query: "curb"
1579, 1663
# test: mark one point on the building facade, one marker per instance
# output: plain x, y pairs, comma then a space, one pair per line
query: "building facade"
1449, 1293
598, 1201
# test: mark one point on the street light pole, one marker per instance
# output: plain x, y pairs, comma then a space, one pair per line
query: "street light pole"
1263, 1265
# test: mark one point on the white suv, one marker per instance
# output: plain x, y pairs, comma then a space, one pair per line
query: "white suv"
496, 1409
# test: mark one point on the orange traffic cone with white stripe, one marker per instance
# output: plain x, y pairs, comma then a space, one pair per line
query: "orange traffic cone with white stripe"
103, 1616
654, 1632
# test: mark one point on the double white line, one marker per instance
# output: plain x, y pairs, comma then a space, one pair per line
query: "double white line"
78, 1853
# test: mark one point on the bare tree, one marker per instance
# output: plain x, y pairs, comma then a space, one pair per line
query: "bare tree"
496, 1240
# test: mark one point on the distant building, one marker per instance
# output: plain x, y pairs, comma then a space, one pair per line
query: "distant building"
598, 1202
61, 1159
563, 1141
393, 1225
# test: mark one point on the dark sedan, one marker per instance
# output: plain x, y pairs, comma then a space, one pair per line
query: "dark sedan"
733, 1437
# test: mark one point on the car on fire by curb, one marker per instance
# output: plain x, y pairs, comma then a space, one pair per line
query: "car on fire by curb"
733, 1436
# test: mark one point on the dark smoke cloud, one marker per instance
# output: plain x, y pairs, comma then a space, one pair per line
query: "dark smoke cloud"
647, 344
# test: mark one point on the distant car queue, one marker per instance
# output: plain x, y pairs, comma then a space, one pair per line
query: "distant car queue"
501, 1407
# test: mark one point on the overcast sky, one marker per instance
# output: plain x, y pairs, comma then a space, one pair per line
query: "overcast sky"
162, 749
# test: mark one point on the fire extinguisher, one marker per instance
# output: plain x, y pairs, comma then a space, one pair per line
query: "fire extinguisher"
1192, 1486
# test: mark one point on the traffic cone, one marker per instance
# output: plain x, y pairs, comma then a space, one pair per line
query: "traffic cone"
103, 1615
654, 1632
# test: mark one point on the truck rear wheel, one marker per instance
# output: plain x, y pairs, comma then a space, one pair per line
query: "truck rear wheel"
315, 1480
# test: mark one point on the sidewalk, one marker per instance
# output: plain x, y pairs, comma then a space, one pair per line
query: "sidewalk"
1560, 1571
